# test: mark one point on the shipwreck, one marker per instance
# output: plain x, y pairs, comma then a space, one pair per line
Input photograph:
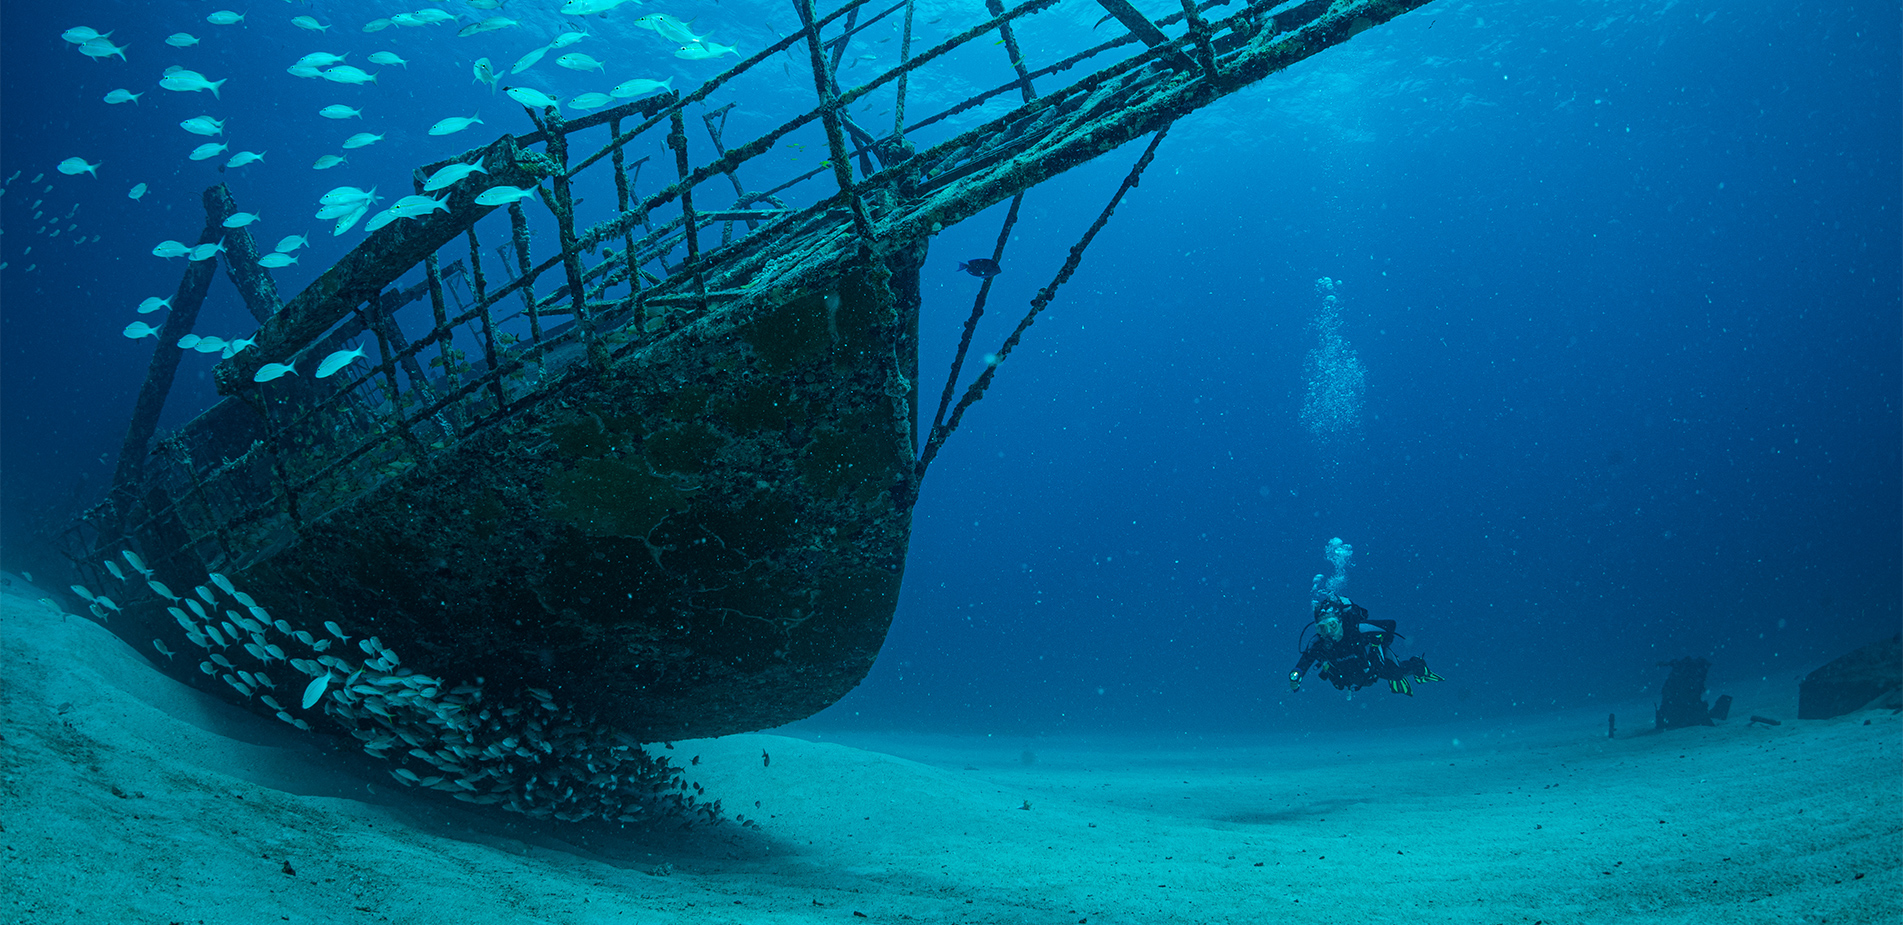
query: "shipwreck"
604, 483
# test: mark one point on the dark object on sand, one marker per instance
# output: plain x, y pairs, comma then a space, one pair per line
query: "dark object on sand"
1765, 720
1610, 717
1722, 708
1682, 702
1853, 681
981, 267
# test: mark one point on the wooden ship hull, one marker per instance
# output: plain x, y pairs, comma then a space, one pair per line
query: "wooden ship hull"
670, 495
707, 538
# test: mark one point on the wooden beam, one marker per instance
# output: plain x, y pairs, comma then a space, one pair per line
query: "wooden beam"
1138, 24
178, 322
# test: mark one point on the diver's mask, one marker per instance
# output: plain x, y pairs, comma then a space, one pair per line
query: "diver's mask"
1329, 625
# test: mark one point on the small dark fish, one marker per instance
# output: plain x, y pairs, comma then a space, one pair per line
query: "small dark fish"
981, 267
766, 760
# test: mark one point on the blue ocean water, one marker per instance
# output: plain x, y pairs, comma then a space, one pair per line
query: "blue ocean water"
1610, 377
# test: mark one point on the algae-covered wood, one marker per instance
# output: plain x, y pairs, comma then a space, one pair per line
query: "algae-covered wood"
704, 542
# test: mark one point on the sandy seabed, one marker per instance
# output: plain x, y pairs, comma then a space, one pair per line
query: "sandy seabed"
127, 797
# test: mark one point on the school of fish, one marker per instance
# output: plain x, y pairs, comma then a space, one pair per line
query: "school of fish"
520, 749
348, 206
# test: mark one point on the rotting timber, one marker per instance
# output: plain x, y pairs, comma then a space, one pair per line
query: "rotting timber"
664, 469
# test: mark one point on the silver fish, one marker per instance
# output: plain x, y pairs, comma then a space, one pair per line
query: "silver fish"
412, 206
488, 25
101, 48
203, 125
576, 61
270, 371
705, 50
528, 61
503, 195
589, 7
381, 219
349, 74
639, 87
531, 97
670, 28
338, 361
314, 691
450, 175
80, 35
455, 124
190, 81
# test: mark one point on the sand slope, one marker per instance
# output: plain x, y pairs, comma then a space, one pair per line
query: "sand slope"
126, 797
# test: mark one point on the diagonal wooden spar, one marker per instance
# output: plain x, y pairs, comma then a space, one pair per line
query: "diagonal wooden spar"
1138, 24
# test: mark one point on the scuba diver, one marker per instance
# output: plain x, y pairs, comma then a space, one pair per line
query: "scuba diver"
1353, 650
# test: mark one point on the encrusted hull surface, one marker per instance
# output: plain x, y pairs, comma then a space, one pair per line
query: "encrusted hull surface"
706, 540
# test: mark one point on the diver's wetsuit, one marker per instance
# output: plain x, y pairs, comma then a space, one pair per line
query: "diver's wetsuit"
1360, 657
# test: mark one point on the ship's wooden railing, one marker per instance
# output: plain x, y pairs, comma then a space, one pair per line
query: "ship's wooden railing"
275, 455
